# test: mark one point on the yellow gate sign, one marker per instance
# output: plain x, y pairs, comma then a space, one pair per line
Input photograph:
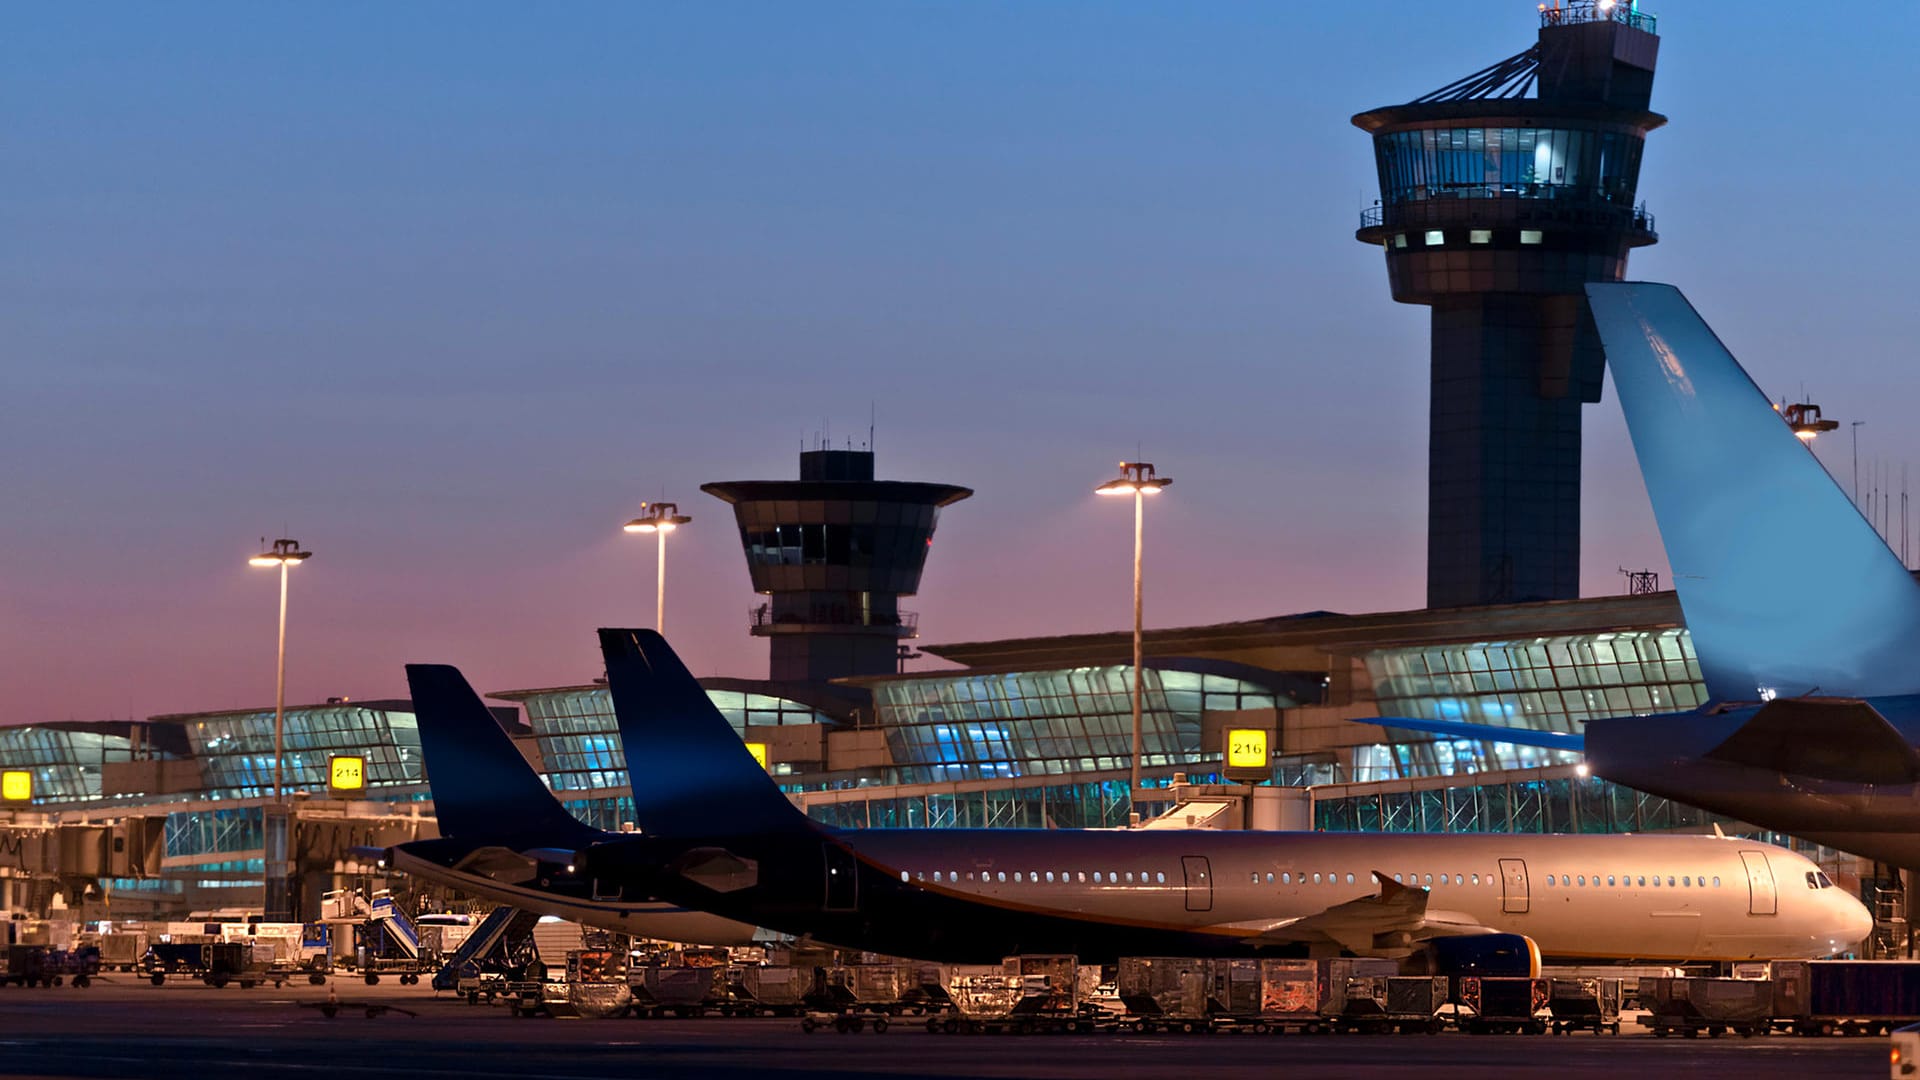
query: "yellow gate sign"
347, 774
1247, 754
759, 752
16, 785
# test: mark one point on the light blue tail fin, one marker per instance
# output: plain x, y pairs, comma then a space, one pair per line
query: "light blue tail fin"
691, 774
1786, 587
483, 790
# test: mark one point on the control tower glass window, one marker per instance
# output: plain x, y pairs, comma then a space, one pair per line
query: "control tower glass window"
1492, 163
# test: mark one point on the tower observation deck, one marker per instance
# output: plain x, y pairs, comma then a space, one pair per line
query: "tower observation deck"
833, 552
1495, 209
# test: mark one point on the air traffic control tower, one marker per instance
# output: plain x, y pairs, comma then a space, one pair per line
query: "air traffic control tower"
1495, 209
833, 552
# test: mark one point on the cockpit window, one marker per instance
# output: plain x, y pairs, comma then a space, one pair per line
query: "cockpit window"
1825, 881
1813, 880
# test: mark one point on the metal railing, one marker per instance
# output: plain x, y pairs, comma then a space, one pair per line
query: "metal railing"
906, 622
1428, 211
1627, 13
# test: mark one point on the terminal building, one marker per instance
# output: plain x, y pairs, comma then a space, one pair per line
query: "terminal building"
1495, 208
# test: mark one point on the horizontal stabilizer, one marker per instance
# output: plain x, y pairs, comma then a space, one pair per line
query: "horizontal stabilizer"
1455, 729
1786, 587
1829, 738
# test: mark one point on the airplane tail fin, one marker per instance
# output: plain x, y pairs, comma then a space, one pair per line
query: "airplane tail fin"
1787, 589
690, 772
483, 789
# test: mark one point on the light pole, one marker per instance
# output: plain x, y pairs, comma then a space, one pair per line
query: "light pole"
1137, 479
1857, 425
286, 554
660, 519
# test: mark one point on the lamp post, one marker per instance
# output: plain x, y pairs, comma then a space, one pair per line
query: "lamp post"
286, 554
1137, 479
660, 519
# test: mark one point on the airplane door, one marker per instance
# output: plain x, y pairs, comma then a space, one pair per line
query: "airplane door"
1764, 898
1513, 886
1199, 882
843, 878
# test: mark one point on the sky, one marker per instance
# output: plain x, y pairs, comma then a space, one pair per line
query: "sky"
445, 290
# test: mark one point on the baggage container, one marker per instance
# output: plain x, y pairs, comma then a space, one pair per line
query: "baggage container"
683, 991
1509, 1003
1585, 1003
1290, 995
121, 950
1690, 1006
1826, 997
1173, 993
776, 991
1336, 977
1030, 994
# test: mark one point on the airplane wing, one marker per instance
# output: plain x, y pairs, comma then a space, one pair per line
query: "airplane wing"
1456, 729
1388, 924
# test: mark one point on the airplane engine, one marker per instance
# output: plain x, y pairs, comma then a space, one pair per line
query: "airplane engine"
1482, 954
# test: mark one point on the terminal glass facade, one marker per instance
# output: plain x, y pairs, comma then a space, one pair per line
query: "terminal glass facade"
1492, 163
65, 764
579, 737
1543, 684
235, 750
1071, 720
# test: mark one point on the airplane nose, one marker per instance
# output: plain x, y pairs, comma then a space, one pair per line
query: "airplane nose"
1857, 921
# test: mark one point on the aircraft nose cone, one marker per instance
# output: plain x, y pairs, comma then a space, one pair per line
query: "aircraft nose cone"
1858, 922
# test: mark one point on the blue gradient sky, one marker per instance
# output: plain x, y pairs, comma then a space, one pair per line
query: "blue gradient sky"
447, 289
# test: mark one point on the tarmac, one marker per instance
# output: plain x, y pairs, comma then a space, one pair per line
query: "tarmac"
122, 1027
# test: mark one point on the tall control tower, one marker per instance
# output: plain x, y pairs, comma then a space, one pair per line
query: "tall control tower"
1495, 209
833, 552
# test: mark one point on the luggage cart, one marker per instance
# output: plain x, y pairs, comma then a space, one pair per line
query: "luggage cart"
1691, 1007
1503, 1003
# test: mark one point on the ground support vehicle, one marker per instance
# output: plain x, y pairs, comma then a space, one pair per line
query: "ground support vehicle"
1903, 1052
768, 991
45, 965
215, 963
1405, 1003
849, 1022
1845, 997
1587, 1003
532, 995
1502, 1003
1692, 1007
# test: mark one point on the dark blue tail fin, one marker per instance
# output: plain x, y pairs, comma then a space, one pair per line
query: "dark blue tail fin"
691, 774
1786, 588
482, 788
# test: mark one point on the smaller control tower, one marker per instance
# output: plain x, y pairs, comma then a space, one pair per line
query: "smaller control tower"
833, 552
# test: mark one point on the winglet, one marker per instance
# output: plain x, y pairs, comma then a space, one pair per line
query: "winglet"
1786, 587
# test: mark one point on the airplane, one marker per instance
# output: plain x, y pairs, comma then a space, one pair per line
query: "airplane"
1806, 624
717, 835
503, 835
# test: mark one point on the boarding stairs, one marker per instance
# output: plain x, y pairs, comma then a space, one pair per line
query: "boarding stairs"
503, 940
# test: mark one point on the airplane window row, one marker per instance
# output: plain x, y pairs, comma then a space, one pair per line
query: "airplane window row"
1036, 877
1684, 881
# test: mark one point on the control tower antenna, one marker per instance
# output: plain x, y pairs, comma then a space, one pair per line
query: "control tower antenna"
1496, 208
